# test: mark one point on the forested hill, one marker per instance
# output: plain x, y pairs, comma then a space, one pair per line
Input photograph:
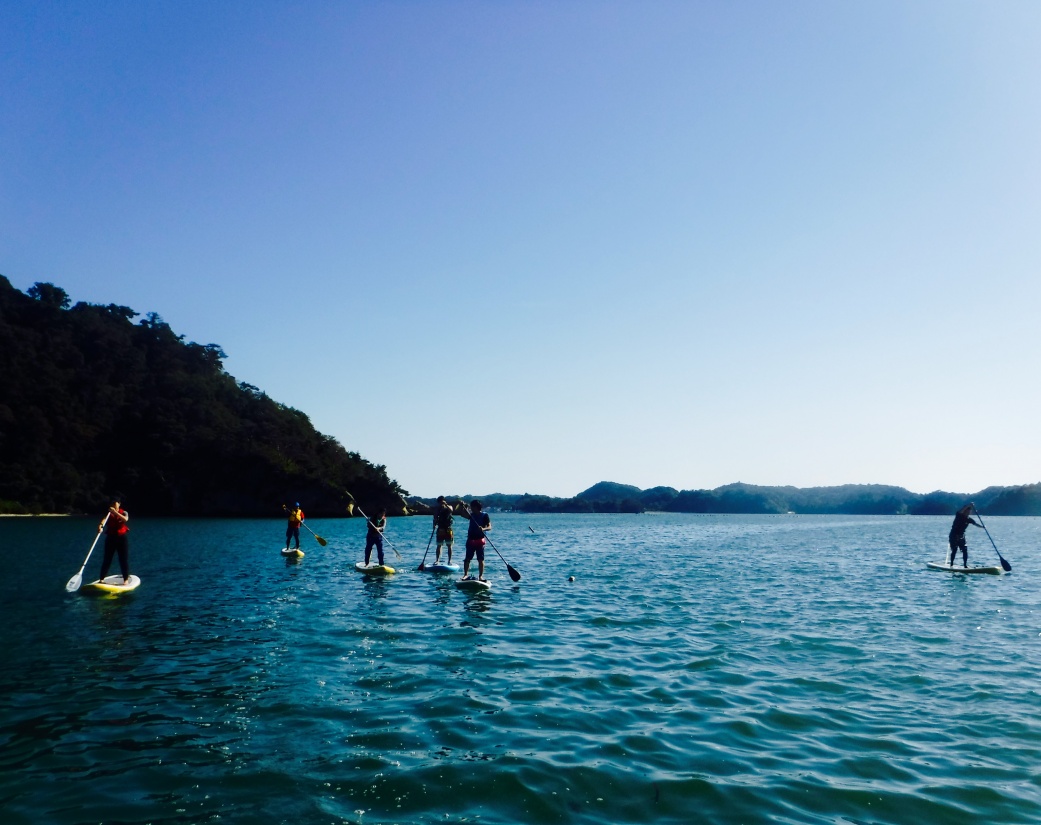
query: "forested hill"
93, 404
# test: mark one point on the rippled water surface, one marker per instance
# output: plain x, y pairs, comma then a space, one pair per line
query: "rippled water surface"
705, 669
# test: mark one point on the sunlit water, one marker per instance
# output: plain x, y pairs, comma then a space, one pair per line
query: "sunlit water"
699, 669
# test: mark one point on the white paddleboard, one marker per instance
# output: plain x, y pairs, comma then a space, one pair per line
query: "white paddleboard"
373, 569
293, 554
993, 571
110, 586
473, 584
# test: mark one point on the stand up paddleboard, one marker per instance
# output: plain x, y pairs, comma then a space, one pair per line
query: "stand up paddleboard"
293, 554
373, 569
472, 584
993, 571
442, 568
110, 586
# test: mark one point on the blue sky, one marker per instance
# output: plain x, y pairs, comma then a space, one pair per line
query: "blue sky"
525, 247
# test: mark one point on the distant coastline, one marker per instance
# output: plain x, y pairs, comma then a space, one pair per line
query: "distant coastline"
35, 515
750, 499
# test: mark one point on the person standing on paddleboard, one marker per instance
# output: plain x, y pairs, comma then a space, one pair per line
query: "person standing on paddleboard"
117, 540
962, 520
480, 524
443, 525
296, 518
374, 536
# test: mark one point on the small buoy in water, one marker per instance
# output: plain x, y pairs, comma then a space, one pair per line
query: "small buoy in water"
570, 578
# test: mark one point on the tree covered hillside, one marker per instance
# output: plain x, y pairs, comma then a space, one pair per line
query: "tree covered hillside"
92, 403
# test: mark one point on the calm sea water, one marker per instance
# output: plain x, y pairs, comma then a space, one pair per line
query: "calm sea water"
729, 669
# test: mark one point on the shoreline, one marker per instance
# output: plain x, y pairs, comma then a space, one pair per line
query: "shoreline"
35, 515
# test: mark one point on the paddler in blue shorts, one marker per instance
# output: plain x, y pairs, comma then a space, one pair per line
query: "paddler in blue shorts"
374, 536
480, 524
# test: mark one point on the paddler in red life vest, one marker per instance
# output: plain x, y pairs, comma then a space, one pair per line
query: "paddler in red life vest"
296, 518
117, 540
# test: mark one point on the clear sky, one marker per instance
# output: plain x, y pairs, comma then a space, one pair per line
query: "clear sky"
526, 247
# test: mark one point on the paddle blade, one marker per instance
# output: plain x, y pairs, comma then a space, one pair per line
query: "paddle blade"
1007, 567
421, 567
74, 583
321, 541
513, 573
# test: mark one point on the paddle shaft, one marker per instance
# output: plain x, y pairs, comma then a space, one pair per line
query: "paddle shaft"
75, 582
512, 571
1004, 564
422, 564
313, 533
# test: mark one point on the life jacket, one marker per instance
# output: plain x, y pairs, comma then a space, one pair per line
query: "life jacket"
116, 526
444, 516
296, 517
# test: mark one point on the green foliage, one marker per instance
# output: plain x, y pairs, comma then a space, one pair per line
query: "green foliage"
1017, 501
92, 404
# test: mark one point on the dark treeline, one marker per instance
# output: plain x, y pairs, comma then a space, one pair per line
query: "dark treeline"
93, 404
850, 499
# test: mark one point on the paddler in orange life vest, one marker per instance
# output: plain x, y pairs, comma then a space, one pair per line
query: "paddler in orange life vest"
296, 518
117, 540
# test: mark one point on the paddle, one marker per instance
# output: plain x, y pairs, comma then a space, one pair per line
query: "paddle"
373, 526
422, 564
512, 571
1007, 567
320, 540
74, 583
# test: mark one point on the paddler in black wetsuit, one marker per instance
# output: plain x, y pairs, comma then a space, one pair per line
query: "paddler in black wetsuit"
962, 520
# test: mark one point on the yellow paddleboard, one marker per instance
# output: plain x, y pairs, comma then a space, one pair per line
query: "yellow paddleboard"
110, 586
373, 569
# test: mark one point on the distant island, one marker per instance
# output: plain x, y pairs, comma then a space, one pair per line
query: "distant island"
848, 499
94, 405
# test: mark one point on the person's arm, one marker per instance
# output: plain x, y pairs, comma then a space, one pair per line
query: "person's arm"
487, 523
123, 517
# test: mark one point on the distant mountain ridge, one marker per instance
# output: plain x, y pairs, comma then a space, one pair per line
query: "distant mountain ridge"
846, 499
